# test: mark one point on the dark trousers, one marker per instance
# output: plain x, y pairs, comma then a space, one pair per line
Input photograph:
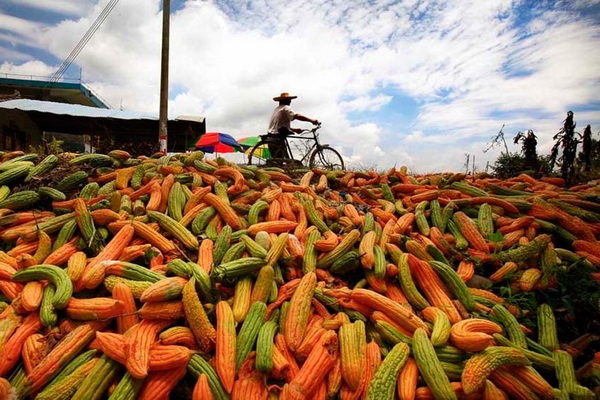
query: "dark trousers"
277, 146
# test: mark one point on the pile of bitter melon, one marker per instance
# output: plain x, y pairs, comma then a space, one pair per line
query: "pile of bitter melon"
176, 276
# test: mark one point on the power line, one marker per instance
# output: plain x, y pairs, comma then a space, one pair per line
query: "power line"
83, 41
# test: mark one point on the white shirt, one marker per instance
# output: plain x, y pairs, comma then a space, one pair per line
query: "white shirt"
281, 118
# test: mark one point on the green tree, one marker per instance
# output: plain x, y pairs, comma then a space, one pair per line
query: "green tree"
508, 165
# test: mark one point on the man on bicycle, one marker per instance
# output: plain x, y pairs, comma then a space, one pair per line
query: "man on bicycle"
280, 127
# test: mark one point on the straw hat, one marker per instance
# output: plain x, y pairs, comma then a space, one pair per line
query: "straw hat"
284, 96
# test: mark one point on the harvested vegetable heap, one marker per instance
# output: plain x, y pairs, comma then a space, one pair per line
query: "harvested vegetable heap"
174, 276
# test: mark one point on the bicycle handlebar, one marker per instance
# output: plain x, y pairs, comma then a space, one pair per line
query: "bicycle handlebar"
317, 127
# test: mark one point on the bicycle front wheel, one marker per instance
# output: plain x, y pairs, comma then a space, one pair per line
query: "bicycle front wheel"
326, 158
259, 155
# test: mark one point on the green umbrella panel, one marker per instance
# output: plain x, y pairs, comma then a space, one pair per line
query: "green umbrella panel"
248, 144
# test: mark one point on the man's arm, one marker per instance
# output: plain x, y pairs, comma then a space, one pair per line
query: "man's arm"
301, 117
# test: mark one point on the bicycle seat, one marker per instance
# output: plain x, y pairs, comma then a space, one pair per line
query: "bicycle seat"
271, 137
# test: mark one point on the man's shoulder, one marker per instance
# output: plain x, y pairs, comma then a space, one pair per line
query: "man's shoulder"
288, 109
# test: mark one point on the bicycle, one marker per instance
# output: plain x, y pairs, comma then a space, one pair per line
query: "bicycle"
318, 155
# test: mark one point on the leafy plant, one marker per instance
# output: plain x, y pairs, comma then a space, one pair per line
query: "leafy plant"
587, 145
46, 148
578, 291
565, 139
508, 165
575, 299
523, 300
496, 237
528, 145
149, 254
544, 164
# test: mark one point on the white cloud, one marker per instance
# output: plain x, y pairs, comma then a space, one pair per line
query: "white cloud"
468, 70
68, 7
14, 55
20, 26
414, 137
583, 3
33, 68
366, 103
13, 40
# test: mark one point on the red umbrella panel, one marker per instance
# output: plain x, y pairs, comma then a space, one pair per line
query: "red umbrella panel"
217, 142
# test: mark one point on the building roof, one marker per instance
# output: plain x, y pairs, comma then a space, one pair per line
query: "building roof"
77, 110
72, 91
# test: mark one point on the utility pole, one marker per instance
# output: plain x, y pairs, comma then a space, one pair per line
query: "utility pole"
164, 79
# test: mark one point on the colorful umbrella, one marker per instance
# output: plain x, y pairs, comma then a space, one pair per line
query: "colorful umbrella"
217, 142
261, 152
248, 142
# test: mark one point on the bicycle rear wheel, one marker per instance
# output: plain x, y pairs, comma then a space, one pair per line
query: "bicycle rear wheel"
259, 155
325, 157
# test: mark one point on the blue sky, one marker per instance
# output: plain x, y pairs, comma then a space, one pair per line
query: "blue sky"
416, 82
